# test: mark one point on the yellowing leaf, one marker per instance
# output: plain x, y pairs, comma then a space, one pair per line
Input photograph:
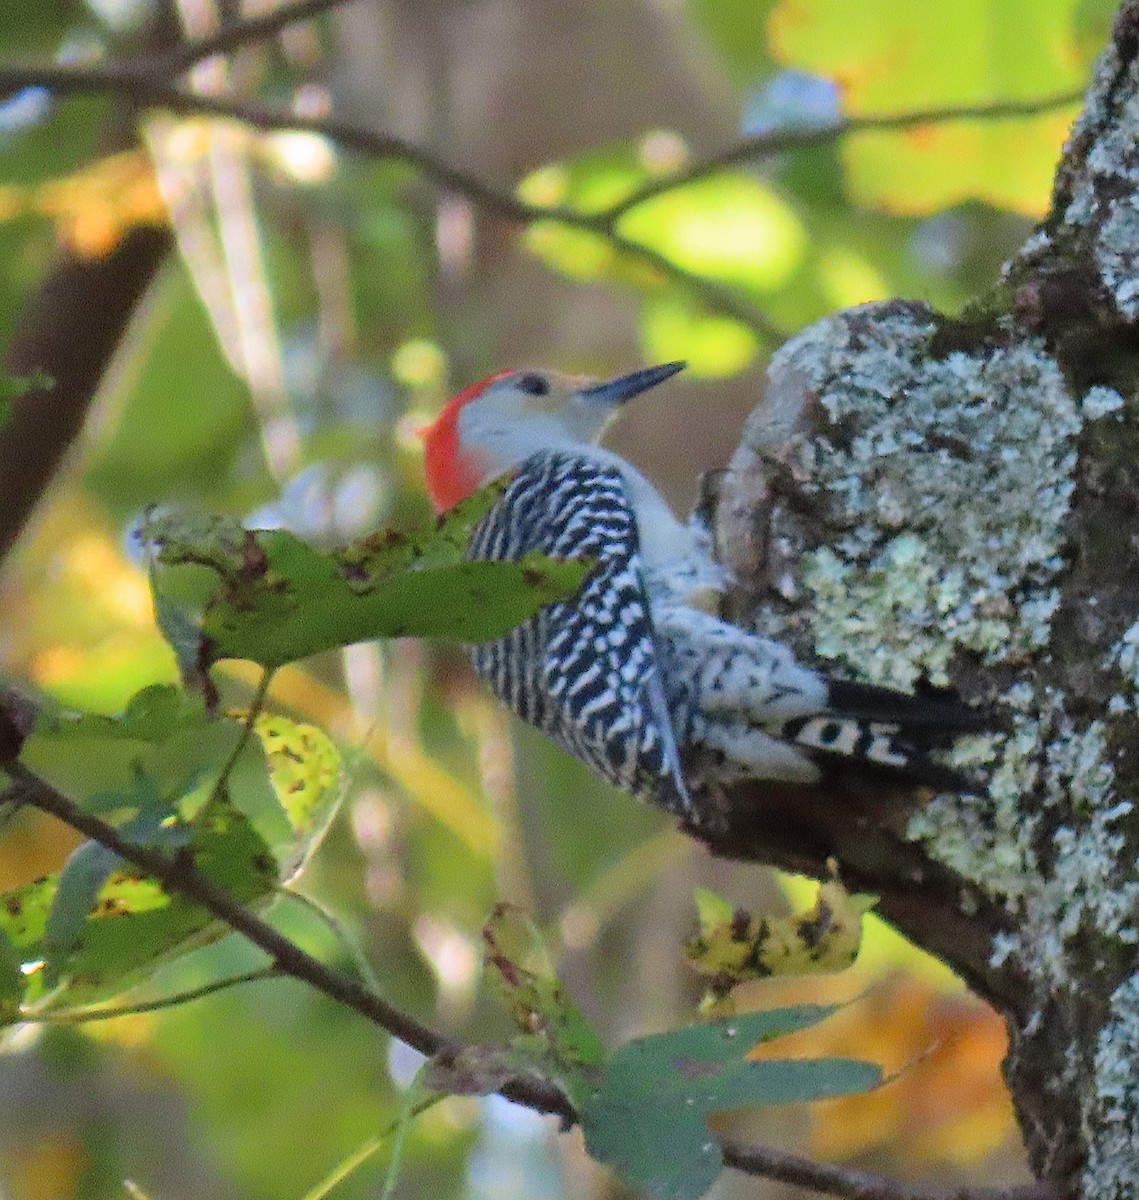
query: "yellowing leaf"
734, 946
947, 1102
304, 769
95, 207
303, 765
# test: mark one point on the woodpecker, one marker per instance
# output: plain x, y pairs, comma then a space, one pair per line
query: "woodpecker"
636, 675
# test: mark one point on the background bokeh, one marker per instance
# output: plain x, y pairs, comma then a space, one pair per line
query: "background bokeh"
320, 307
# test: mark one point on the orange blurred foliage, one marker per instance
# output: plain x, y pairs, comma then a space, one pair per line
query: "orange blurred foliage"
947, 1101
94, 207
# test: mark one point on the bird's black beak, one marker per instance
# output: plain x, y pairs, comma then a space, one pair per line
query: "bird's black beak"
616, 391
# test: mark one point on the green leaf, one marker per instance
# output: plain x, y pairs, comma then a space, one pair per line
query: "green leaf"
648, 1117
91, 866
731, 228
97, 932
276, 599
155, 773
737, 29
165, 735
714, 346
554, 1029
79, 885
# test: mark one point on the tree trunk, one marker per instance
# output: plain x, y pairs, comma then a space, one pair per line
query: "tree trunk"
956, 502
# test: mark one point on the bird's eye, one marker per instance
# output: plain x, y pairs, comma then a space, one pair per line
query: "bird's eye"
533, 385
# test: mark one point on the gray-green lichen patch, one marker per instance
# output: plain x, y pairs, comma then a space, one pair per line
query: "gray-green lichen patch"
942, 484
1099, 186
1075, 876
949, 480
1125, 655
1112, 1170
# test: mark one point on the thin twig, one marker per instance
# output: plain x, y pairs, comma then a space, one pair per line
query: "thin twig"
235, 34
83, 1015
849, 1184
779, 141
256, 704
180, 874
145, 88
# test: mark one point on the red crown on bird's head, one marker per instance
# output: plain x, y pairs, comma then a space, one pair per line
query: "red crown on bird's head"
452, 475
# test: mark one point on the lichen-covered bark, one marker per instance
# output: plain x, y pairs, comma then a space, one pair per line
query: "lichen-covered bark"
922, 500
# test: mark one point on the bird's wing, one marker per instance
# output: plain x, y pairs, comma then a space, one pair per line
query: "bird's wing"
585, 670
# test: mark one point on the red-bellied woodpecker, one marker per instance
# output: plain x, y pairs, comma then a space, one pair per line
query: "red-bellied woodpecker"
634, 675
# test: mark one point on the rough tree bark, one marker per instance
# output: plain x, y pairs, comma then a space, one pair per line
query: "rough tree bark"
957, 500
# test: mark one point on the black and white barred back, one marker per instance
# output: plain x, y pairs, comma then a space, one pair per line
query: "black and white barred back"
585, 671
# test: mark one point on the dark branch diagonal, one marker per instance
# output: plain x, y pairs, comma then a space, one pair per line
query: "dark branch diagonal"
140, 84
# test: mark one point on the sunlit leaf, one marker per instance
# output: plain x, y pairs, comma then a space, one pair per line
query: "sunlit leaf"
648, 1118
165, 736
276, 599
714, 346
897, 57
131, 924
589, 183
730, 228
305, 772
575, 252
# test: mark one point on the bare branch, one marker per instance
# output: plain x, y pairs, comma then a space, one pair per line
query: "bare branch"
98, 296
859, 1185
779, 141
235, 34
139, 84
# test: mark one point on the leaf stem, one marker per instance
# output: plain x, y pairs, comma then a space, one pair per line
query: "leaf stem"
82, 1016
375, 1144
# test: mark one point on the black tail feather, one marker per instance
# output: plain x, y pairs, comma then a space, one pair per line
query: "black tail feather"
930, 711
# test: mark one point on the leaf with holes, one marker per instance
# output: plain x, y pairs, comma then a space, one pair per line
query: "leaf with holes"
734, 946
101, 925
304, 771
267, 596
554, 1031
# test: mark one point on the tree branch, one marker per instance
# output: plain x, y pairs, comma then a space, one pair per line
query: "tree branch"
859, 1185
179, 874
97, 297
182, 875
233, 35
779, 141
139, 84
